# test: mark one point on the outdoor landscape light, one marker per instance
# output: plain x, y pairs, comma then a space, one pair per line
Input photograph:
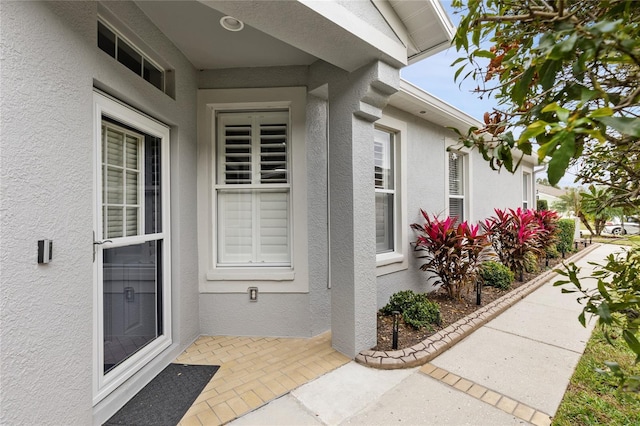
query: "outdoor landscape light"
396, 320
231, 24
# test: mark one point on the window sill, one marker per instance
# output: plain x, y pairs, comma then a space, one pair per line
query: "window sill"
250, 275
267, 280
388, 263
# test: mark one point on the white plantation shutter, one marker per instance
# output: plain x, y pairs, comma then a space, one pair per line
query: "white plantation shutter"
121, 181
273, 152
385, 190
235, 225
274, 227
253, 189
456, 186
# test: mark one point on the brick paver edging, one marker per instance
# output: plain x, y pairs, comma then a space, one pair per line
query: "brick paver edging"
436, 344
491, 397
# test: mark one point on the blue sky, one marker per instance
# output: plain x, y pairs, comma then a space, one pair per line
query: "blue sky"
435, 75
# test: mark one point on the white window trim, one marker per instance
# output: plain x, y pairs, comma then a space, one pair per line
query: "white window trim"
103, 385
214, 279
467, 181
397, 260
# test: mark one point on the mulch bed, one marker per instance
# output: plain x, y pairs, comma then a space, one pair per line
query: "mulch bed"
450, 312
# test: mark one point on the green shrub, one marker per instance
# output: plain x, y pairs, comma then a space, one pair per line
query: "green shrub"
531, 263
552, 251
542, 205
565, 237
495, 274
416, 308
421, 314
400, 301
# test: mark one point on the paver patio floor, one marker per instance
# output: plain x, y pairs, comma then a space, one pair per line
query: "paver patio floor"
254, 371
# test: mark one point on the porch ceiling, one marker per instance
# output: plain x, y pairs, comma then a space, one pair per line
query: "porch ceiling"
288, 32
195, 29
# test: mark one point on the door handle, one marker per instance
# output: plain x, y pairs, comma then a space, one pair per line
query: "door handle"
98, 243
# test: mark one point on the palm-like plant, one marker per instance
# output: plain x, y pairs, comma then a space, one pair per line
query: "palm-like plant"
513, 234
452, 252
571, 202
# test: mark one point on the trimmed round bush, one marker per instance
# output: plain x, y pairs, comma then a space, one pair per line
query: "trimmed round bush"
400, 302
495, 274
416, 308
422, 313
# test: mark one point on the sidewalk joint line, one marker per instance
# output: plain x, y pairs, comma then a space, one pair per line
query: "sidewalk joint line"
534, 340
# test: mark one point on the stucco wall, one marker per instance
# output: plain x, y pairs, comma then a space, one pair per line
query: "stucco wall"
494, 189
286, 314
425, 190
50, 64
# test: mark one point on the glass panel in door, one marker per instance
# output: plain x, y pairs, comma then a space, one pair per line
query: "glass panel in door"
131, 254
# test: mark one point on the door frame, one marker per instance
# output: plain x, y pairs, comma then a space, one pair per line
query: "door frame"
103, 385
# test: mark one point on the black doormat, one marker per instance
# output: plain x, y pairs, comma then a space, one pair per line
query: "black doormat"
166, 398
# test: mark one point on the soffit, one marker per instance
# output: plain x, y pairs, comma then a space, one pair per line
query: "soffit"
195, 29
422, 104
427, 25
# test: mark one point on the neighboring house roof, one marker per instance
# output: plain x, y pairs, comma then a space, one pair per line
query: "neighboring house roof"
551, 191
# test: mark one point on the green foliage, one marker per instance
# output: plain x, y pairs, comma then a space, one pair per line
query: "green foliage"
497, 275
615, 301
566, 72
565, 237
596, 204
591, 398
401, 301
542, 205
452, 252
531, 262
416, 308
552, 251
421, 314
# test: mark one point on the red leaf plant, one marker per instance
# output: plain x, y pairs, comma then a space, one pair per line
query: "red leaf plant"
548, 221
452, 252
514, 233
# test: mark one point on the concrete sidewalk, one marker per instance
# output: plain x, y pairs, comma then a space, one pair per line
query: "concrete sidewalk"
513, 370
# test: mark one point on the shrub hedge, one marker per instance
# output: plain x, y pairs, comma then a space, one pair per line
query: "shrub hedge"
565, 237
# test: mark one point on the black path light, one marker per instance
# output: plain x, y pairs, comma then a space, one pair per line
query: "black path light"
396, 321
478, 292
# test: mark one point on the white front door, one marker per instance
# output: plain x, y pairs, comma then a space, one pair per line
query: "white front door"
131, 243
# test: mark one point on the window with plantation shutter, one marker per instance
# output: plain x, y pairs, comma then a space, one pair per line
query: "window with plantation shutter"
456, 186
121, 176
383, 150
253, 189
